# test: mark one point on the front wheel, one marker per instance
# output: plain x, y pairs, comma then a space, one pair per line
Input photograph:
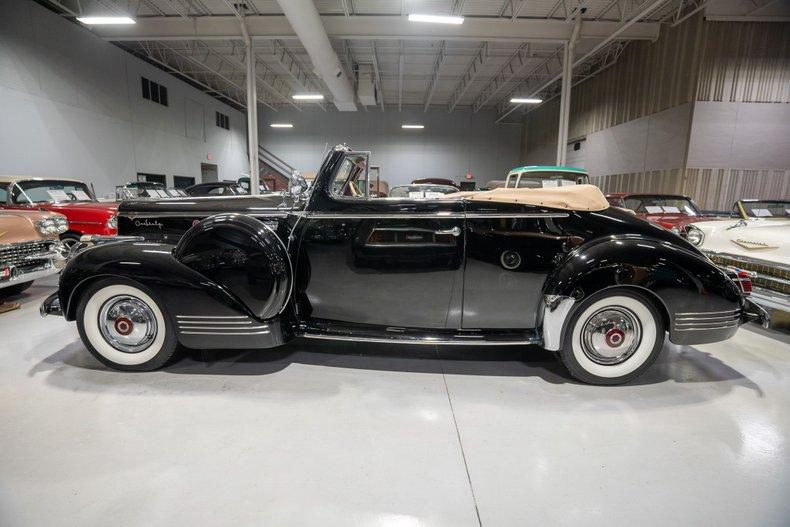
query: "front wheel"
612, 338
124, 327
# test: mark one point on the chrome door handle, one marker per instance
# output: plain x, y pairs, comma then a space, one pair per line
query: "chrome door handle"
455, 231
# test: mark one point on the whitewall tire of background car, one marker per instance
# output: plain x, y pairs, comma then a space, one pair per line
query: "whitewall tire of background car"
613, 337
124, 327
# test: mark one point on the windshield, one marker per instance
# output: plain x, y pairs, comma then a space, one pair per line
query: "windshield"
545, 178
50, 191
661, 205
766, 208
421, 191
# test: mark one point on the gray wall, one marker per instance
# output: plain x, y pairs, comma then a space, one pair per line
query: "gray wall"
740, 135
450, 146
71, 106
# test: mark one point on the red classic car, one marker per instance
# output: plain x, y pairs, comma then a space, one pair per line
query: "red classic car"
670, 211
69, 197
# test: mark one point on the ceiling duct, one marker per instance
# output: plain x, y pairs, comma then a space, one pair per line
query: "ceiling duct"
306, 23
366, 86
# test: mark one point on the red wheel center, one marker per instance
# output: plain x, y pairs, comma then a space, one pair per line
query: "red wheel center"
123, 326
614, 337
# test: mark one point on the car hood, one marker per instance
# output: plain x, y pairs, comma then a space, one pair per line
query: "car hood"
19, 226
674, 220
262, 205
95, 207
761, 238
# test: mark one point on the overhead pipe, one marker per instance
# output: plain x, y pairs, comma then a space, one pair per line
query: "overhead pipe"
306, 23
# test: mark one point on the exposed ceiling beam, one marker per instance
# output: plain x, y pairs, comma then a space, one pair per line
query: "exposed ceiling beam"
469, 75
369, 27
643, 10
434, 80
377, 74
400, 77
283, 56
513, 67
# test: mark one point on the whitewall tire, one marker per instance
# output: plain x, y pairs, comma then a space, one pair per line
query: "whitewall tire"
123, 326
613, 337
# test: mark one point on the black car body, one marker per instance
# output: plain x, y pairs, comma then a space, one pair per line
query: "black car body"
255, 272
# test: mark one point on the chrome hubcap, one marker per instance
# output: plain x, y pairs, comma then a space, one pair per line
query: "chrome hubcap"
611, 335
127, 323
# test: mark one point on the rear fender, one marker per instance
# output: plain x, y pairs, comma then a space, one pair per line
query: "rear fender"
679, 281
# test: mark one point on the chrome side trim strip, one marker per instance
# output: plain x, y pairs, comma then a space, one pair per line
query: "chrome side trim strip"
201, 213
383, 215
211, 316
224, 333
731, 326
235, 330
430, 341
515, 215
729, 312
431, 215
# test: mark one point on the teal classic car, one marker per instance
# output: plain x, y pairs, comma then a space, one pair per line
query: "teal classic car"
539, 176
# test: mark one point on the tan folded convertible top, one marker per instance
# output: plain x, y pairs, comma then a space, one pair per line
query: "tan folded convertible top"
576, 197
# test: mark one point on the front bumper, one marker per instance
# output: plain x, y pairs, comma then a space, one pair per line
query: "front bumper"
51, 306
33, 266
754, 313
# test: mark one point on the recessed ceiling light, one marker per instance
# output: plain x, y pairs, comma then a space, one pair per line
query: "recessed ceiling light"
413, 126
308, 96
281, 125
437, 19
105, 20
521, 100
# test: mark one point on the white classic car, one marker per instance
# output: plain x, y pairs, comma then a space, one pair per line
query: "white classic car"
756, 238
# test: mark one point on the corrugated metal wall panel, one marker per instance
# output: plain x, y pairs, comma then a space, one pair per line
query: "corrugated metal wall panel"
745, 62
648, 78
697, 60
711, 188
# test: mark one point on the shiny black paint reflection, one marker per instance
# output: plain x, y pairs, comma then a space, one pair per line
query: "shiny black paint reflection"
391, 263
242, 255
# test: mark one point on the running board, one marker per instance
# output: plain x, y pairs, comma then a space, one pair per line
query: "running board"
399, 335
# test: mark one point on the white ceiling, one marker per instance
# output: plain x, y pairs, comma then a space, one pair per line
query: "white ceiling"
506, 47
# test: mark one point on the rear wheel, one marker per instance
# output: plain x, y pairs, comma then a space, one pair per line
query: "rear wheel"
124, 327
613, 338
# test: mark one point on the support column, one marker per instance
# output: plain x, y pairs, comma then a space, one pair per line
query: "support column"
252, 112
565, 93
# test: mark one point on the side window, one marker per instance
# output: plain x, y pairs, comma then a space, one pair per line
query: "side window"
3, 194
216, 191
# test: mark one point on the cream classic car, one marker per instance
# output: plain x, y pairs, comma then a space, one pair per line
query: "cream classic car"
29, 248
756, 238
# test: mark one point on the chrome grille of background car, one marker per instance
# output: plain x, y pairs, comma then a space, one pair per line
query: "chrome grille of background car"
774, 277
18, 254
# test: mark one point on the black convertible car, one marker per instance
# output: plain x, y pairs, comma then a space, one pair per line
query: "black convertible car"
556, 267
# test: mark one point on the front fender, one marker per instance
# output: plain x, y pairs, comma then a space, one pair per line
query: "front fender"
152, 265
685, 285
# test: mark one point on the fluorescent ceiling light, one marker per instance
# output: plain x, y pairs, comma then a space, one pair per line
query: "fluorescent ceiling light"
105, 20
308, 96
437, 19
281, 125
414, 126
521, 100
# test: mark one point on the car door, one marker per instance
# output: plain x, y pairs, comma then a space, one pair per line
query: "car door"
387, 262
510, 250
